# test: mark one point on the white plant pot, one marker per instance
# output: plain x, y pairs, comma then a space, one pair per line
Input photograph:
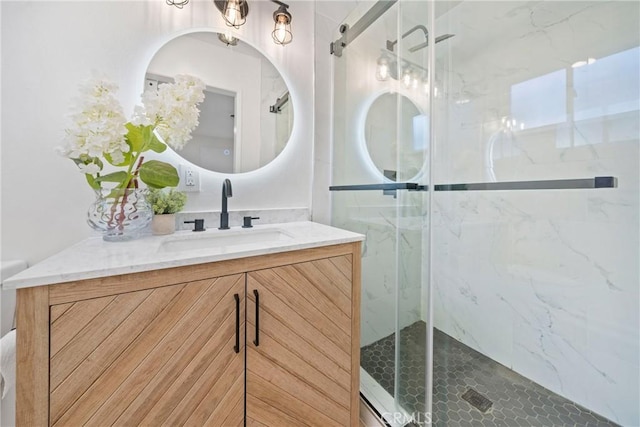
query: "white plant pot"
163, 224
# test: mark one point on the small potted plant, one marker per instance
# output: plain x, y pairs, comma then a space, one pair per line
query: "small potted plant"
165, 204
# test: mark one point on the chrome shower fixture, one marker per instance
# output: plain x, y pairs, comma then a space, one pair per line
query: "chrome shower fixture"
391, 44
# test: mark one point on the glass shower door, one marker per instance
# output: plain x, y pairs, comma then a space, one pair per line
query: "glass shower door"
379, 188
535, 278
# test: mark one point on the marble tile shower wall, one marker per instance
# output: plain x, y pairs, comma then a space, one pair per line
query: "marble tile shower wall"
545, 282
391, 260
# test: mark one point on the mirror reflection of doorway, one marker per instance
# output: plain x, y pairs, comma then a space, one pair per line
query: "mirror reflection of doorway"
213, 139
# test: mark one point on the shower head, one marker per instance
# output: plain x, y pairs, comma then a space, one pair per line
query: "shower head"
391, 44
426, 43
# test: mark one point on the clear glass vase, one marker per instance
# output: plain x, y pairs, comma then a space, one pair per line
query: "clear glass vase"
120, 214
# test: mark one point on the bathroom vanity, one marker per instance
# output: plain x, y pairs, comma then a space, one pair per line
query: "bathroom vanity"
193, 329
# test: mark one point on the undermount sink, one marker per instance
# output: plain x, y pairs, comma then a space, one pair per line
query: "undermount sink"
215, 239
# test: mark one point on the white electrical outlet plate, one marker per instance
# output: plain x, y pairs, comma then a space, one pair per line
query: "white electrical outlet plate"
189, 178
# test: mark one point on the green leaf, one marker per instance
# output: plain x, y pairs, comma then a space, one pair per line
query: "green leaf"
92, 181
155, 144
141, 138
136, 137
120, 177
157, 174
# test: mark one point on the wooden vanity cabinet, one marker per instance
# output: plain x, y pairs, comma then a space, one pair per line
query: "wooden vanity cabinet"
160, 355
273, 338
299, 352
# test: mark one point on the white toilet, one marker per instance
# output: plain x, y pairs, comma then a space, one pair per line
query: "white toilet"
7, 310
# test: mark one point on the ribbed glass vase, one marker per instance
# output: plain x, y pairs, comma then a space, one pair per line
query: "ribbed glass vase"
120, 214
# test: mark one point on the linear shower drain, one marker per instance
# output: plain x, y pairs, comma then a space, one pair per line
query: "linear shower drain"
477, 400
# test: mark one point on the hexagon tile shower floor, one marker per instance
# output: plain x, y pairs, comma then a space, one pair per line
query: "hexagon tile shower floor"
461, 375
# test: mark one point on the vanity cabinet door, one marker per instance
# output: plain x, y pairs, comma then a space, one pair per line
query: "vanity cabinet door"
171, 355
299, 345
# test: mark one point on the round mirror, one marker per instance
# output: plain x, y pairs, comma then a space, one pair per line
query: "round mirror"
396, 135
246, 117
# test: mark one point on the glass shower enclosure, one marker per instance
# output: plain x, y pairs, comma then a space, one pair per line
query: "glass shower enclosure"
489, 153
379, 188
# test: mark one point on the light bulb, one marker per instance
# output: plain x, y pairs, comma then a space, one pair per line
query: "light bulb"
382, 69
406, 78
233, 15
415, 80
281, 31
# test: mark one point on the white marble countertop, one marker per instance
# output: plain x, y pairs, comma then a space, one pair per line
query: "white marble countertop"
93, 257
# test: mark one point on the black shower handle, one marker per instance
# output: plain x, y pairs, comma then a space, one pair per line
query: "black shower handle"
236, 348
257, 340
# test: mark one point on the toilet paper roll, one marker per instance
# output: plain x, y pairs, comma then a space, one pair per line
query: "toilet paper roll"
7, 362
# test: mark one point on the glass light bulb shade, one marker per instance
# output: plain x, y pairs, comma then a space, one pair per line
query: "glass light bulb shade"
382, 69
415, 80
228, 39
233, 15
406, 78
282, 32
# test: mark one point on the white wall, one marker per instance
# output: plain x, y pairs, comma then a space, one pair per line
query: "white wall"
49, 47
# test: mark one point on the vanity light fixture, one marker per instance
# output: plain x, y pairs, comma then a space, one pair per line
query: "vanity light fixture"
282, 32
234, 12
409, 74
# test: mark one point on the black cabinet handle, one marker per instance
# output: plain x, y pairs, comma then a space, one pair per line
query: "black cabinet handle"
257, 340
236, 348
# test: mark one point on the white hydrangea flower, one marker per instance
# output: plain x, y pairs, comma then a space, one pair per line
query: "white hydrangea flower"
90, 169
173, 109
98, 125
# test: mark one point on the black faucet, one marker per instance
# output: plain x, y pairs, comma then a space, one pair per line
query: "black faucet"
224, 215
198, 224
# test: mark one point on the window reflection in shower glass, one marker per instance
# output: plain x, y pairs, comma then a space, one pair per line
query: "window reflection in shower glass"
420, 132
607, 87
540, 101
